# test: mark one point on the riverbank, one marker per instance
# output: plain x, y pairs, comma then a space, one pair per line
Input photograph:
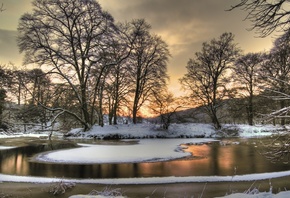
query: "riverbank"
185, 130
149, 131
144, 131
205, 190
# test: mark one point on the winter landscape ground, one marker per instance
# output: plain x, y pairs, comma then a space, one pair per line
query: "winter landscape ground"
146, 135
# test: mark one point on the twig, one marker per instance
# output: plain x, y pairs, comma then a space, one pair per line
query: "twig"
203, 190
107, 191
60, 187
2, 8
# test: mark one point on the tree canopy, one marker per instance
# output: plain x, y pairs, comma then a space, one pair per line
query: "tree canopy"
206, 76
266, 15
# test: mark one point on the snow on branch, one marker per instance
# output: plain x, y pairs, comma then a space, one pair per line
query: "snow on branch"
281, 113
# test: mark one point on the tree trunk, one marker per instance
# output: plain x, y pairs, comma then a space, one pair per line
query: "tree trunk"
101, 116
116, 101
87, 121
282, 105
135, 104
110, 110
115, 113
134, 114
250, 111
214, 117
216, 122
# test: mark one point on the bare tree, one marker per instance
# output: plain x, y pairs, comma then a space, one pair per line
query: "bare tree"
276, 73
164, 105
112, 76
118, 84
148, 62
68, 38
247, 68
266, 15
18, 79
2, 93
206, 76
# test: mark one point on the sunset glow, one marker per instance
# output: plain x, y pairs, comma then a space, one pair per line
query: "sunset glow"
184, 26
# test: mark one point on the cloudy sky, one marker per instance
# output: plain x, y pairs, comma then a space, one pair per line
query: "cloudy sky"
183, 24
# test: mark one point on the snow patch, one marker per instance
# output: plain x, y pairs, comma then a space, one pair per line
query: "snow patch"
147, 150
6, 147
148, 180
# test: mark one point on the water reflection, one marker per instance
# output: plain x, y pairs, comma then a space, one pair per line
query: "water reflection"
208, 159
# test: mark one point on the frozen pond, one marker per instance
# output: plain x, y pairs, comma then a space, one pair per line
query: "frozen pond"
147, 158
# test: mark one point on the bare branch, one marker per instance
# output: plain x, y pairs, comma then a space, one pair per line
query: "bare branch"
278, 150
2, 8
266, 16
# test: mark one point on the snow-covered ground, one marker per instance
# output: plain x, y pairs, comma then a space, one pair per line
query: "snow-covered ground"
139, 131
18, 135
150, 180
187, 130
147, 150
6, 147
284, 194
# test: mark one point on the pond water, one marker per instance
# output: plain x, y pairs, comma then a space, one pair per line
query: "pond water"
206, 160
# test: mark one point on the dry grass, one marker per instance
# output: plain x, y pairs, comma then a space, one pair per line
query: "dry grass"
2, 195
107, 191
60, 188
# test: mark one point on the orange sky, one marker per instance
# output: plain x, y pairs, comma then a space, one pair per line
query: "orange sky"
183, 24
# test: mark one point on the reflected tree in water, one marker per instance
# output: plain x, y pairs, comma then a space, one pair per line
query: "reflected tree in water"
278, 149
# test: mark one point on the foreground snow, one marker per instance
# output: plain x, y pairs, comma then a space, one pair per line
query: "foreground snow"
93, 196
285, 194
236, 195
163, 180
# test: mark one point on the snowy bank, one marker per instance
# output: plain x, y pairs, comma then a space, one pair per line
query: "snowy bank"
244, 130
185, 130
285, 194
19, 135
141, 131
95, 196
6, 147
149, 180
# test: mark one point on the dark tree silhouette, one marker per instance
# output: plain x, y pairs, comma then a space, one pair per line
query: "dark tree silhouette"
164, 105
247, 68
68, 38
148, 62
266, 15
276, 75
206, 77
3, 94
